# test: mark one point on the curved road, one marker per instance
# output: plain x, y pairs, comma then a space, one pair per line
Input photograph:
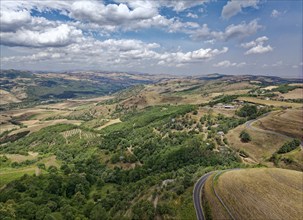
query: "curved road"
248, 125
197, 192
197, 195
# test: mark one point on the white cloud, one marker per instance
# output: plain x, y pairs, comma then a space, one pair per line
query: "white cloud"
239, 31
233, 7
257, 46
12, 20
176, 5
227, 63
61, 35
276, 64
254, 43
120, 52
191, 15
96, 15
259, 49
275, 13
111, 14
181, 5
212, 41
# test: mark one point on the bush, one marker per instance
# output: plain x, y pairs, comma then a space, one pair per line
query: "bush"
245, 137
247, 111
143, 210
289, 146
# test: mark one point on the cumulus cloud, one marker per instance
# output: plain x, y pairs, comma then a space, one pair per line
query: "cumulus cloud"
239, 31
111, 14
233, 7
190, 57
12, 20
98, 16
191, 15
112, 51
61, 35
227, 63
257, 46
181, 5
275, 13
176, 5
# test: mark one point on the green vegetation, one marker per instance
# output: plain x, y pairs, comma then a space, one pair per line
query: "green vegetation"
5, 137
143, 167
93, 180
284, 88
289, 146
251, 111
51, 89
223, 99
245, 137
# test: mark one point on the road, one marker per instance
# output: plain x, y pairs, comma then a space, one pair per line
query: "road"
248, 125
197, 194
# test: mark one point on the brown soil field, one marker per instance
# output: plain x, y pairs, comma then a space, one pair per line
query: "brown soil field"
111, 122
7, 97
260, 148
296, 84
288, 122
7, 127
36, 125
20, 158
232, 92
238, 86
270, 102
294, 94
270, 87
262, 193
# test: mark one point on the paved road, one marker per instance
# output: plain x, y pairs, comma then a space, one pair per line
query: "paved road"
248, 125
197, 194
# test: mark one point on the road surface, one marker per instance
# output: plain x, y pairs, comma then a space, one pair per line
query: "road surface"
197, 194
248, 125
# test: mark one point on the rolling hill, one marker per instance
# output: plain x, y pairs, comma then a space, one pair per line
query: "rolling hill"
260, 193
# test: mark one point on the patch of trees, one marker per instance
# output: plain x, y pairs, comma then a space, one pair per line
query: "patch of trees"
80, 188
251, 111
11, 138
223, 99
245, 137
284, 88
289, 146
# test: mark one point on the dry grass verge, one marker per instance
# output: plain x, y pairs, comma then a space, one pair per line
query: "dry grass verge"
211, 205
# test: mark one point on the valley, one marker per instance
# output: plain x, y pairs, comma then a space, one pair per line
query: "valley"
135, 149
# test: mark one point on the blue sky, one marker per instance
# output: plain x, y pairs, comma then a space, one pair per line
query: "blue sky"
260, 37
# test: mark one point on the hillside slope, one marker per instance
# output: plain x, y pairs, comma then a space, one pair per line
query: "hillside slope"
261, 193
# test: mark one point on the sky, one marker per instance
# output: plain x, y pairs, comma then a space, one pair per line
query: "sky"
189, 37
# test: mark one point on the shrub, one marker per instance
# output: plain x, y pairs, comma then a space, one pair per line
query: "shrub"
247, 111
245, 137
289, 146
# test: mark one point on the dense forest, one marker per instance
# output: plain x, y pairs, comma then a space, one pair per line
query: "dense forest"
161, 144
